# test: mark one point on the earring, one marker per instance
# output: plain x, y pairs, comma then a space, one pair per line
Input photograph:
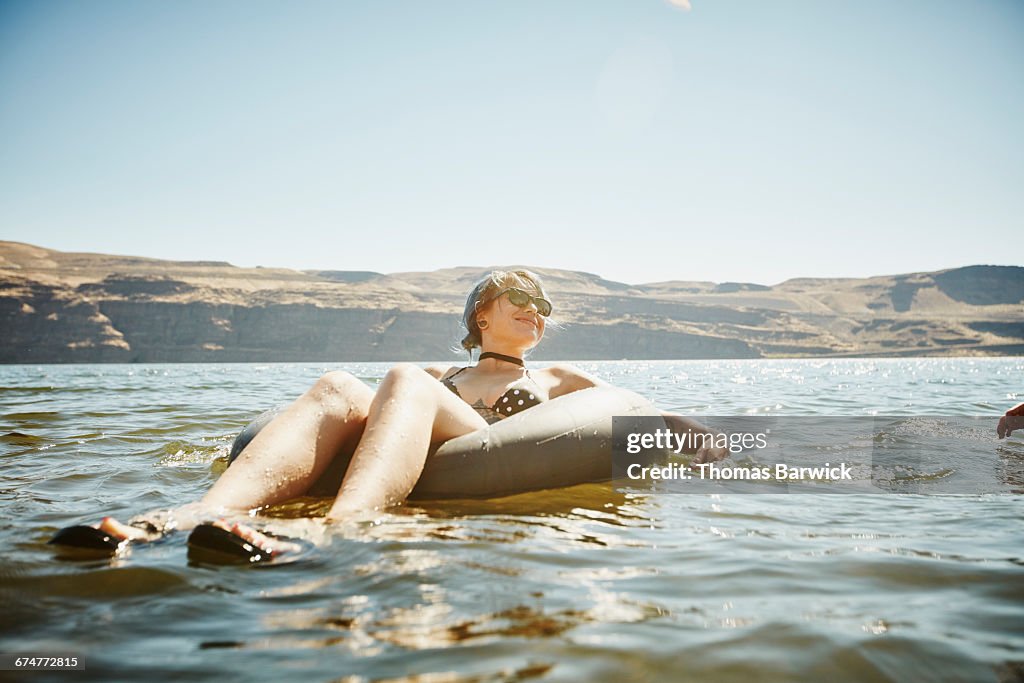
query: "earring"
482, 324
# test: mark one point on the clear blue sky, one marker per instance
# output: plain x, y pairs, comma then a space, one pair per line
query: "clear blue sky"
750, 141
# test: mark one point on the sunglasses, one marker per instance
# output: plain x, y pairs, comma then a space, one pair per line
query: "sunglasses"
522, 299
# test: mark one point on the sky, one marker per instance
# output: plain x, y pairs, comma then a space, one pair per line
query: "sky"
641, 140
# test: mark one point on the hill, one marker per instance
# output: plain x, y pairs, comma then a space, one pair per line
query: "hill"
75, 307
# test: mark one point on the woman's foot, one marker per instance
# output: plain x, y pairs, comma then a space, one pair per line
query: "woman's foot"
221, 541
269, 544
127, 532
109, 536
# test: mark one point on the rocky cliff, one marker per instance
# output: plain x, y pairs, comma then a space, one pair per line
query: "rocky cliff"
67, 307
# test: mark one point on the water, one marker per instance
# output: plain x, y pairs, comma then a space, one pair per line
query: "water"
586, 583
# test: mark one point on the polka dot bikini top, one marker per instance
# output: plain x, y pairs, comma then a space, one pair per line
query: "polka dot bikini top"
515, 400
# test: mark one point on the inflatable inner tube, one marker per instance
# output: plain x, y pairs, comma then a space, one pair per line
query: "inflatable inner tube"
562, 442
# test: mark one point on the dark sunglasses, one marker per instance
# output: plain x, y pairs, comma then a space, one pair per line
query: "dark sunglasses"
522, 299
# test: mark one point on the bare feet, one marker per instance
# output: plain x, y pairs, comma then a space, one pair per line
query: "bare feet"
153, 525
126, 531
269, 544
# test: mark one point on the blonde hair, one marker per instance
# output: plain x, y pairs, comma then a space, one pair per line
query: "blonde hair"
484, 292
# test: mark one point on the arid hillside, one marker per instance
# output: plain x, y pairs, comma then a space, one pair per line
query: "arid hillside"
68, 307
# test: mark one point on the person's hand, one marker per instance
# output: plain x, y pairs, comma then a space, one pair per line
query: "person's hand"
1014, 419
712, 454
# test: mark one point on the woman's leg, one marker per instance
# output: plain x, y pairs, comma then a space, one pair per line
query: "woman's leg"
290, 453
410, 411
286, 457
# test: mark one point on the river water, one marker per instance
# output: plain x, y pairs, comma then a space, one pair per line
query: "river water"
597, 582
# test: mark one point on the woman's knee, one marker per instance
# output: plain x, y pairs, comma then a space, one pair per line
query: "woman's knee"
338, 386
406, 375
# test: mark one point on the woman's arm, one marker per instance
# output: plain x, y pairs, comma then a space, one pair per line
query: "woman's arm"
437, 371
570, 379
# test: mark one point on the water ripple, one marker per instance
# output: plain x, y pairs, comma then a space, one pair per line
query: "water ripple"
594, 582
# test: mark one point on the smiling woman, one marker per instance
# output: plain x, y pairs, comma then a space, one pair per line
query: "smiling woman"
389, 434
506, 315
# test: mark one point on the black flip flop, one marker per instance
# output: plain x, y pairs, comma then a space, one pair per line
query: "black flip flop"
211, 543
87, 538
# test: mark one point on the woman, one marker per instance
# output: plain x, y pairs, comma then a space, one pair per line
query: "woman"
392, 430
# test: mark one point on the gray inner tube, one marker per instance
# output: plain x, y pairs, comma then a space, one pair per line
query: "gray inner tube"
558, 443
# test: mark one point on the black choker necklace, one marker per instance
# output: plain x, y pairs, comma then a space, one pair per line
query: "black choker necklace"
501, 356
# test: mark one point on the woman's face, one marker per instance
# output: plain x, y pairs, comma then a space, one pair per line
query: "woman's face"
510, 325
